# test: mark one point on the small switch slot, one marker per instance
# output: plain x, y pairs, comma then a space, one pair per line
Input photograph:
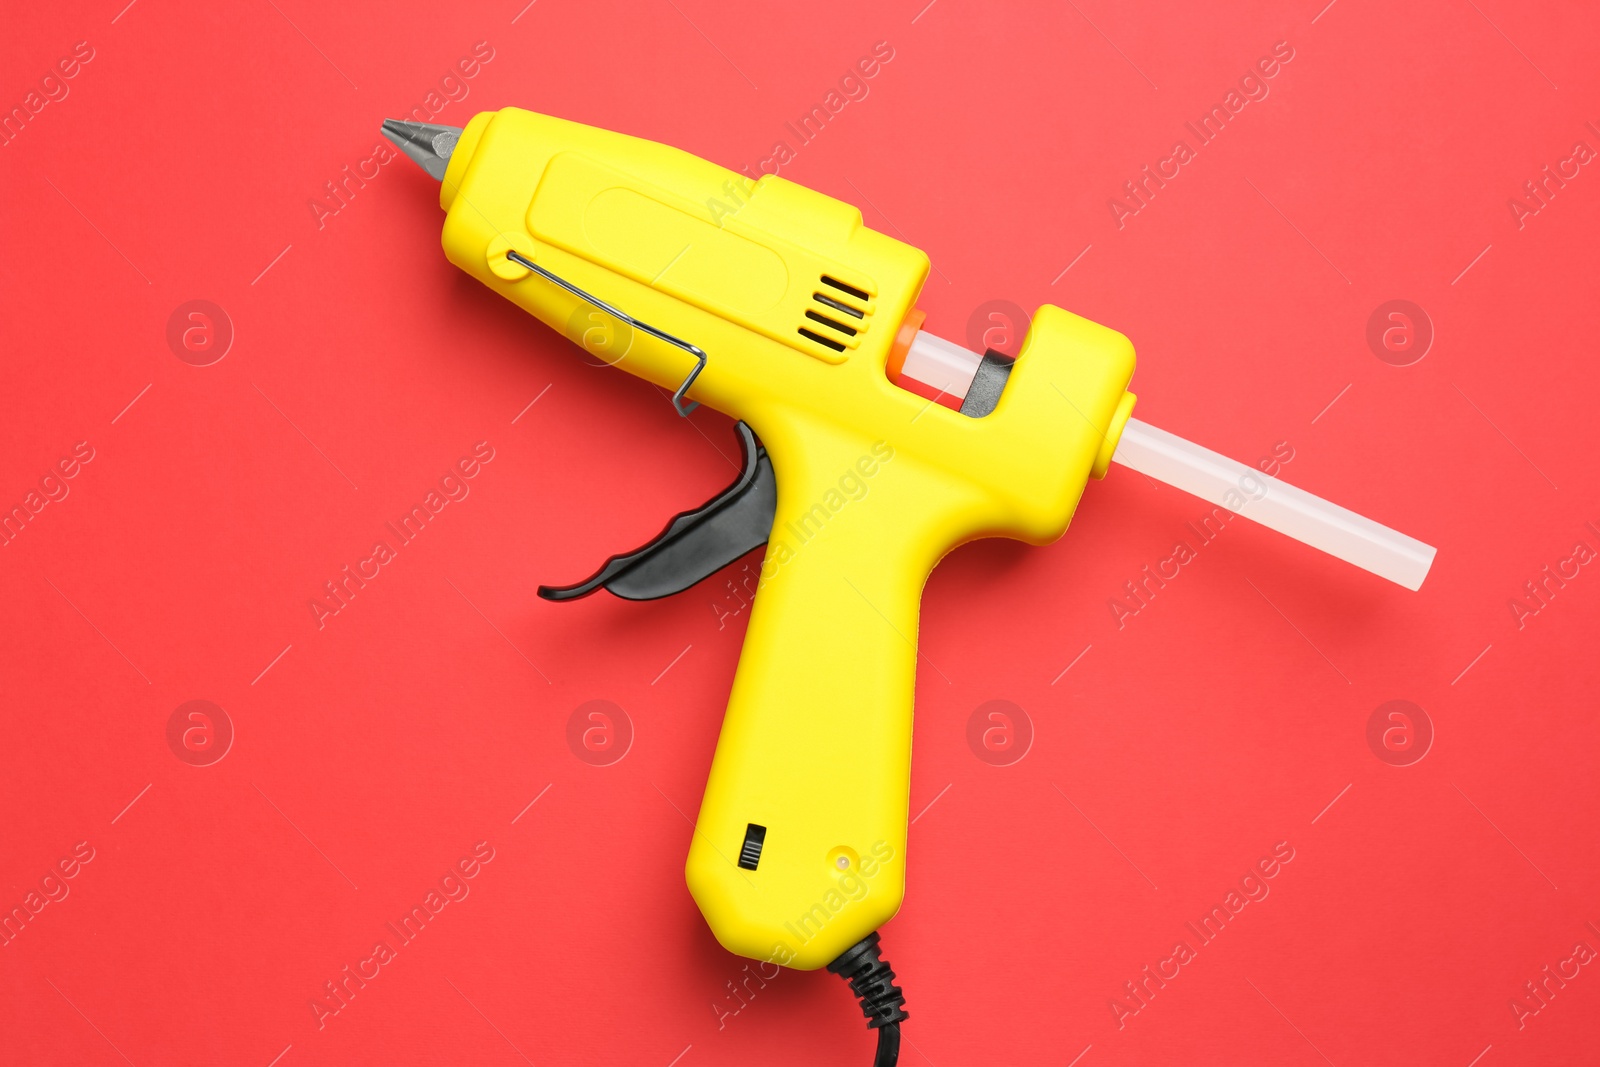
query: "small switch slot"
750, 852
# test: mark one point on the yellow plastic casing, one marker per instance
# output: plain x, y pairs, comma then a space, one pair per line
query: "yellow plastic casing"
875, 484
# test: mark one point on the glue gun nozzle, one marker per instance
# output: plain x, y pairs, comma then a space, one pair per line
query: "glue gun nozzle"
429, 146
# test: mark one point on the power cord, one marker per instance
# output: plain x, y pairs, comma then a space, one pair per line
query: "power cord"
882, 1002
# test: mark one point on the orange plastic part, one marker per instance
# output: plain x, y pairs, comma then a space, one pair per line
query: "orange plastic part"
903, 337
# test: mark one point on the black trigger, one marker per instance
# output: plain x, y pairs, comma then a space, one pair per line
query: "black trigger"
696, 544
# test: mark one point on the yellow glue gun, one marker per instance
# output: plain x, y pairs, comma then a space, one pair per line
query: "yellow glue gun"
872, 449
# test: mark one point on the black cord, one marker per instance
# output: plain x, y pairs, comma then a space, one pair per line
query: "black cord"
888, 1046
882, 1002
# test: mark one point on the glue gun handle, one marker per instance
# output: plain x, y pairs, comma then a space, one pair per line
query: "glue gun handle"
815, 748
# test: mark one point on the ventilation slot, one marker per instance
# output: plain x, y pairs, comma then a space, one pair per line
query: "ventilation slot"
750, 851
828, 301
843, 288
826, 342
836, 310
848, 331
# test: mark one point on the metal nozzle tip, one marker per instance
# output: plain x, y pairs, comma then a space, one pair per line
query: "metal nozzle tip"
429, 146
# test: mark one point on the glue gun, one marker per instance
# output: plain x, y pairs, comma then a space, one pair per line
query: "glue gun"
871, 449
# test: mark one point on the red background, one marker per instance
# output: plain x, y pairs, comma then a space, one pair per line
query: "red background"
1225, 717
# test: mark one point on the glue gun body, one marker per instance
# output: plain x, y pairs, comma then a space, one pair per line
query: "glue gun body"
782, 310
